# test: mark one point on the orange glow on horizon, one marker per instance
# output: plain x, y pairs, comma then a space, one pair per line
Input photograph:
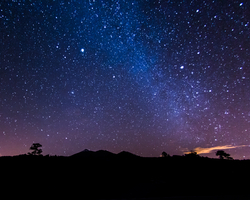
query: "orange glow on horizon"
201, 150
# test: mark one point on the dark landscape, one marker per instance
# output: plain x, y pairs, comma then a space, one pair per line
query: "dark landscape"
139, 76
105, 175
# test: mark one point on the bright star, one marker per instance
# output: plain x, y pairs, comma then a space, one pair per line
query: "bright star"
82, 50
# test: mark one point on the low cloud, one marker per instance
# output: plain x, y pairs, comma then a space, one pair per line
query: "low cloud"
201, 150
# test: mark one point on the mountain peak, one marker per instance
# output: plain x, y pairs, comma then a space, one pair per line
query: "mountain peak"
88, 153
126, 154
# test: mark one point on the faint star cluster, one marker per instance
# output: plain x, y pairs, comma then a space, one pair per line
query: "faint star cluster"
144, 76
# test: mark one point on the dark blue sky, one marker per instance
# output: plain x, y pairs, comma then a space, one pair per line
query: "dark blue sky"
141, 76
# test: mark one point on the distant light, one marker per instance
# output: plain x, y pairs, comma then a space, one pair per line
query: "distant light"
82, 50
241, 4
197, 10
182, 67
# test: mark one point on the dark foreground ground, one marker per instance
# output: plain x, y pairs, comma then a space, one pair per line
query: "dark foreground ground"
125, 177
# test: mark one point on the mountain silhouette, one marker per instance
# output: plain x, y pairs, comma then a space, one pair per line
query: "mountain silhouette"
93, 154
126, 154
103, 154
84, 153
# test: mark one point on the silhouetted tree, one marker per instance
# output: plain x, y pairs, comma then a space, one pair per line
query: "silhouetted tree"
192, 154
35, 147
222, 154
164, 154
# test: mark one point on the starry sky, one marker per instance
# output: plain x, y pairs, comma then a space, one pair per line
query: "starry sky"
143, 76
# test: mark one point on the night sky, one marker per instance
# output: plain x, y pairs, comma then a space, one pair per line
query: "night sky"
143, 76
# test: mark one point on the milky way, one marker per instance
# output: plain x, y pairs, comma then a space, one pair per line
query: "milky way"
141, 76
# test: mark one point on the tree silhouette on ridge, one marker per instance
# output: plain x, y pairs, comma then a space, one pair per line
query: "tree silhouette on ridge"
36, 151
223, 155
